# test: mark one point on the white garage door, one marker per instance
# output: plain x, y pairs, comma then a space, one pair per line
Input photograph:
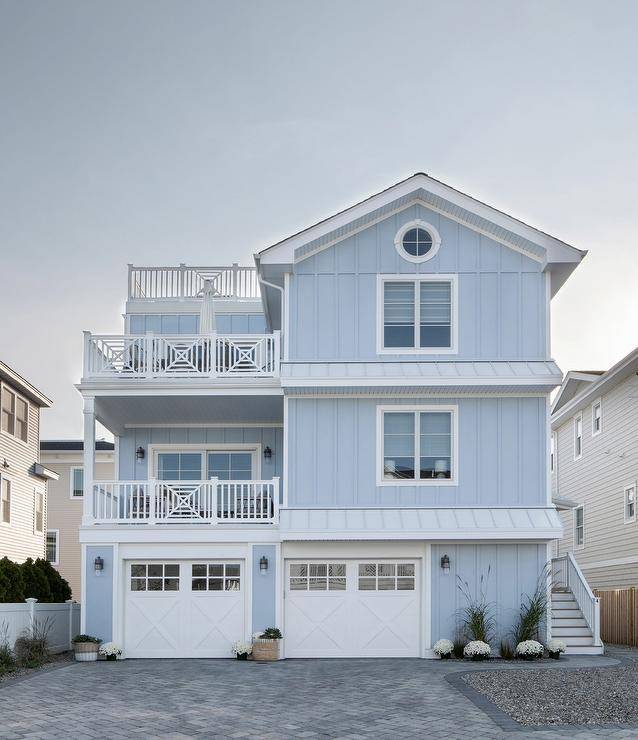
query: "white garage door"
346, 608
183, 609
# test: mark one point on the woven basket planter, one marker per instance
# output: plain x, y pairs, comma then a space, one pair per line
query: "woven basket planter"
85, 651
265, 649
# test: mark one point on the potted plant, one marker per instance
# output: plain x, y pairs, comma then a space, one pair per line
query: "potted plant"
443, 648
477, 650
85, 647
266, 644
241, 650
555, 648
529, 650
110, 650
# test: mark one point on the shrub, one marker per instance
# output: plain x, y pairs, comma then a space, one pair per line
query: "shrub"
32, 647
36, 584
477, 650
555, 648
60, 591
86, 638
271, 633
529, 650
443, 648
506, 650
459, 645
477, 615
7, 660
533, 612
11, 582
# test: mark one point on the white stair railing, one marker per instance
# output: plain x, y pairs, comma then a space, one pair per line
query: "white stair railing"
567, 574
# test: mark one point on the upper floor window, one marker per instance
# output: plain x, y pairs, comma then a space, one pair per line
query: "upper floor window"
53, 546
579, 526
418, 315
77, 482
417, 445
417, 241
578, 437
38, 511
552, 452
5, 500
15, 414
596, 418
630, 503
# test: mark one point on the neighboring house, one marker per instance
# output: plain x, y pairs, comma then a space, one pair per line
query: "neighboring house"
23, 479
64, 502
595, 471
368, 423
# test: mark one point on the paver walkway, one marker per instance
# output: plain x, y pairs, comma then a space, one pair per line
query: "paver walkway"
291, 699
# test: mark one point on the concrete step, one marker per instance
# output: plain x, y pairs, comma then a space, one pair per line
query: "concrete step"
566, 633
568, 622
585, 650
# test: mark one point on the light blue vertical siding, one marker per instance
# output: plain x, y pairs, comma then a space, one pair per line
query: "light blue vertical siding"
98, 593
514, 571
502, 301
264, 593
501, 454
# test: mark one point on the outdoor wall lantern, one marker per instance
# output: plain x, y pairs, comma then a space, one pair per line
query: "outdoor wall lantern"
267, 453
263, 565
98, 564
445, 565
139, 453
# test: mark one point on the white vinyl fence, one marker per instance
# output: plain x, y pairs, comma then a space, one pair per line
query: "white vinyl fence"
62, 622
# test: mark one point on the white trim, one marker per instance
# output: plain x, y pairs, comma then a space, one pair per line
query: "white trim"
597, 403
426, 602
582, 544
71, 480
286, 456
390, 382
405, 408
57, 545
286, 317
631, 487
578, 418
425, 226
439, 277
176, 535
204, 448
210, 425
550, 460
83, 588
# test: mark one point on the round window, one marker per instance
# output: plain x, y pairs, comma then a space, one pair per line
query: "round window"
417, 242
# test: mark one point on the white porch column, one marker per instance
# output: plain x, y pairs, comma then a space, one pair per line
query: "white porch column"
89, 459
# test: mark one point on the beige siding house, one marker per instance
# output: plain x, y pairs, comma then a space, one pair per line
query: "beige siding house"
65, 498
23, 479
595, 472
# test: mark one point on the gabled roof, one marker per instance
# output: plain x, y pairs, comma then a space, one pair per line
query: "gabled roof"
10, 376
559, 256
592, 386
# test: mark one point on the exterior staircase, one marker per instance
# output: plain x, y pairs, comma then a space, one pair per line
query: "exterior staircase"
569, 625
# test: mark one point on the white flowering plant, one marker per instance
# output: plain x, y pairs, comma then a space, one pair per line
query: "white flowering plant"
110, 650
241, 648
443, 648
477, 650
529, 650
555, 648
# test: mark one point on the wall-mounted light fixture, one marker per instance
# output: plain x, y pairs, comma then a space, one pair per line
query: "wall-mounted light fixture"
263, 565
267, 453
98, 565
445, 564
5, 464
139, 453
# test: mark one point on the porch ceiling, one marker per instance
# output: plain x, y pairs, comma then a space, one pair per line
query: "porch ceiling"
118, 412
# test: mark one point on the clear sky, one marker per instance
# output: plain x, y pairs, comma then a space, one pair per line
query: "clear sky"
159, 132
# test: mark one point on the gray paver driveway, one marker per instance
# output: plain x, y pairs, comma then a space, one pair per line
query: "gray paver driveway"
290, 699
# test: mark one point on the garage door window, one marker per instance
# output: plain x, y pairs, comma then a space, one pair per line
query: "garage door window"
154, 577
318, 577
216, 577
386, 577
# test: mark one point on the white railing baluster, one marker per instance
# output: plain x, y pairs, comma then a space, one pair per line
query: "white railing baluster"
186, 282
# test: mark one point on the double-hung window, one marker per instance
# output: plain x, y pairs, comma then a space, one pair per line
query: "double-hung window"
417, 445
417, 315
630, 503
596, 418
53, 546
578, 437
15, 415
38, 511
5, 500
579, 527
77, 482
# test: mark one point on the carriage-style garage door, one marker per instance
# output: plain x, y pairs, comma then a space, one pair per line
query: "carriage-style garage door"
346, 608
183, 609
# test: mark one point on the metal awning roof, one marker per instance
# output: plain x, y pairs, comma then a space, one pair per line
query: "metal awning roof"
442, 523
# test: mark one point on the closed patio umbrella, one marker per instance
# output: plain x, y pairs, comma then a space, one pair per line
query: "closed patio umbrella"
207, 324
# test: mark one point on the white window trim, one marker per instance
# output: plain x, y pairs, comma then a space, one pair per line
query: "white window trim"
254, 448
417, 224
4, 477
37, 493
575, 427
576, 545
401, 408
597, 402
447, 278
552, 452
72, 476
629, 520
15, 437
57, 545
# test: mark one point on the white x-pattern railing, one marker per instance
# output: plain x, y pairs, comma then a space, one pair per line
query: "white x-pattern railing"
197, 356
201, 502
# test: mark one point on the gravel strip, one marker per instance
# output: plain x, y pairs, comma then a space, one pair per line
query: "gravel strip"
54, 661
583, 696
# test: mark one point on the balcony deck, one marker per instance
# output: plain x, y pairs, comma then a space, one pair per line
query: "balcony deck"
183, 282
160, 502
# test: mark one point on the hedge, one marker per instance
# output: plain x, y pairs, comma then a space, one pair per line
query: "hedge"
36, 579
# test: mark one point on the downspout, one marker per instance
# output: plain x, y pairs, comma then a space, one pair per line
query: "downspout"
265, 304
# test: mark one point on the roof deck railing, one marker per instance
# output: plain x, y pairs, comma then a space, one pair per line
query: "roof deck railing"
183, 281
